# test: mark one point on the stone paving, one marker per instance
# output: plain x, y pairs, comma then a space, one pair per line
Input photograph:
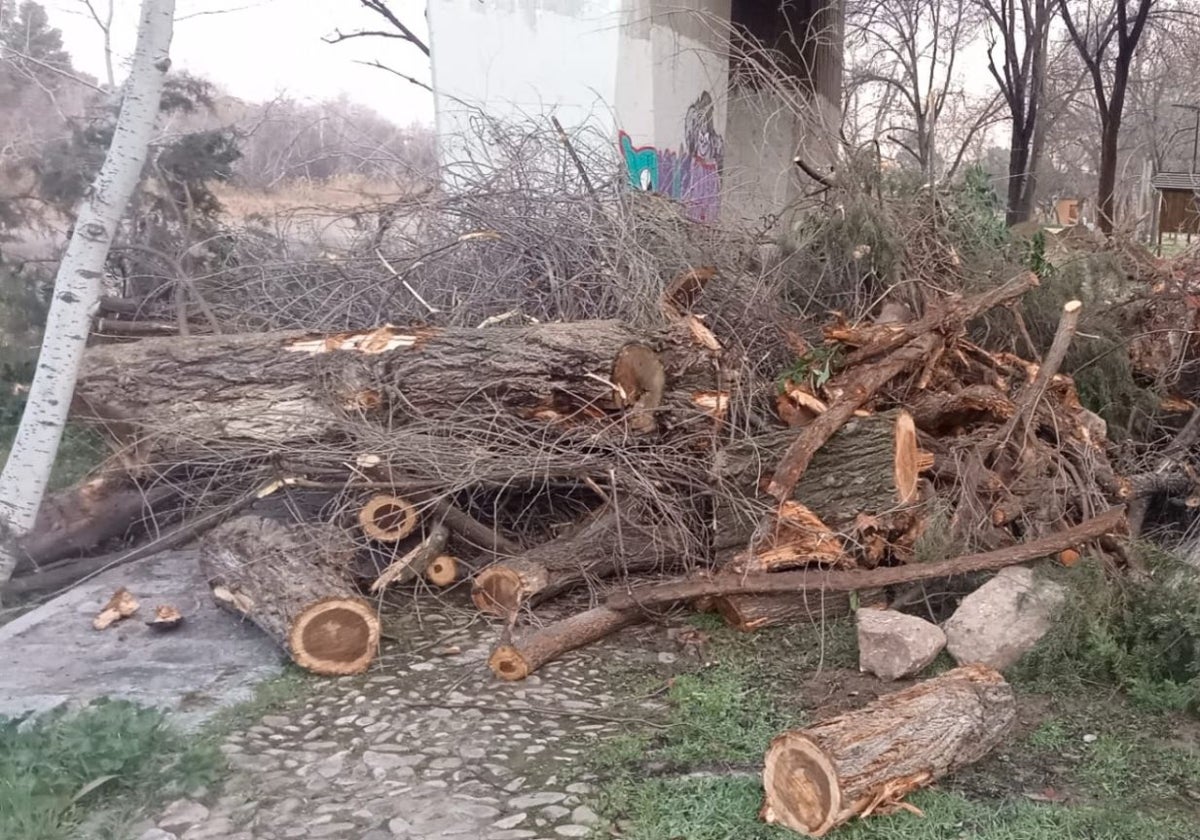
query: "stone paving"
428, 745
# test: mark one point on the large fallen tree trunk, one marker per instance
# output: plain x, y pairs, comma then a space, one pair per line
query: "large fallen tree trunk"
292, 581
276, 389
1112, 521
870, 759
602, 548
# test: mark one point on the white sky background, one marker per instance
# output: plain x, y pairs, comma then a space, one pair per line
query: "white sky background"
257, 49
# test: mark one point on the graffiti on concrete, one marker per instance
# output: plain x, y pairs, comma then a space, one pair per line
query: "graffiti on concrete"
691, 175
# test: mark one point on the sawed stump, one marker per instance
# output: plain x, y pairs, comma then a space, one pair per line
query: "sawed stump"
860, 762
292, 582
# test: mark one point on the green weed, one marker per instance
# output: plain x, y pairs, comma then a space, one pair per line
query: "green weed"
53, 767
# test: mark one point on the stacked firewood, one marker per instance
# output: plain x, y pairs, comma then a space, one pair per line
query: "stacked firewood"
651, 466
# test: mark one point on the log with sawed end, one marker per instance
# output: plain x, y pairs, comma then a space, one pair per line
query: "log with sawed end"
292, 581
518, 659
868, 760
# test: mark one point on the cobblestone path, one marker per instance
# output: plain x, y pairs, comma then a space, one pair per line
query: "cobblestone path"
428, 745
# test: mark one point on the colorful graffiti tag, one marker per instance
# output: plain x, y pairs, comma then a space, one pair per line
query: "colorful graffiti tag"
691, 175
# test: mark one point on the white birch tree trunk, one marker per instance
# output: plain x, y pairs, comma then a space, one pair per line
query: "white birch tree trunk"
77, 284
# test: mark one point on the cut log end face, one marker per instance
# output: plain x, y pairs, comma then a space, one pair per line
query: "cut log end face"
498, 591
336, 637
387, 518
507, 663
805, 793
443, 571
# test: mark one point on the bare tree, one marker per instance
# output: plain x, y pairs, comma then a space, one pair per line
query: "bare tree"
394, 28
1106, 33
77, 286
1020, 29
104, 23
914, 48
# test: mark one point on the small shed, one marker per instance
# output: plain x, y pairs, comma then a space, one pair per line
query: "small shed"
1178, 202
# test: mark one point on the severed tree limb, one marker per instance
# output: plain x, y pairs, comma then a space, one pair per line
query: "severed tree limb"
413, 564
518, 659
952, 315
1028, 400
474, 531
1111, 521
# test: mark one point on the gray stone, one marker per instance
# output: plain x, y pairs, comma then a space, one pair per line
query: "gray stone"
511, 822
215, 829
1003, 619
212, 661
893, 645
157, 834
572, 831
584, 816
535, 800
555, 812
181, 815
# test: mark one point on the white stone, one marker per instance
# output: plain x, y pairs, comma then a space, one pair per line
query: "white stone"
181, 815
585, 816
157, 834
535, 800
1003, 619
893, 645
510, 822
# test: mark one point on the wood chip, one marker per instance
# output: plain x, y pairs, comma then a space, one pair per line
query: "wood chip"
120, 606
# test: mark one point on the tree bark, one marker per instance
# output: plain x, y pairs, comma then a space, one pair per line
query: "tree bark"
293, 582
77, 285
289, 388
868, 760
519, 659
747, 613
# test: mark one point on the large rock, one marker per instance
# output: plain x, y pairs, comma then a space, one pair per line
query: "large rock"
892, 645
1001, 620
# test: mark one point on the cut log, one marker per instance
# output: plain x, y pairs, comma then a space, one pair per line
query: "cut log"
600, 549
443, 571
517, 660
906, 459
1112, 521
291, 581
287, 389
868, 760
852, 482
387, 518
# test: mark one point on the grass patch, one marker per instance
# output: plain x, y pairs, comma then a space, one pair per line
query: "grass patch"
55, 767
110, 763
1119, 774
727, 809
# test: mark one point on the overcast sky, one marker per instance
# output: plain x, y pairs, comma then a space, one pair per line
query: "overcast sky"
255, 49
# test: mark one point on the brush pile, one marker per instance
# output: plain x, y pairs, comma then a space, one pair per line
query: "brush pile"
638, 409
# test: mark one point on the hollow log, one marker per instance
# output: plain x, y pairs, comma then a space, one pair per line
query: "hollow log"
602, 548
387, 518
283, 389
292, 581
868, 760
517, 660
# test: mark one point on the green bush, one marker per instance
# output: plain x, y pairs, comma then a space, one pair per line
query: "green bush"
1142, 635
